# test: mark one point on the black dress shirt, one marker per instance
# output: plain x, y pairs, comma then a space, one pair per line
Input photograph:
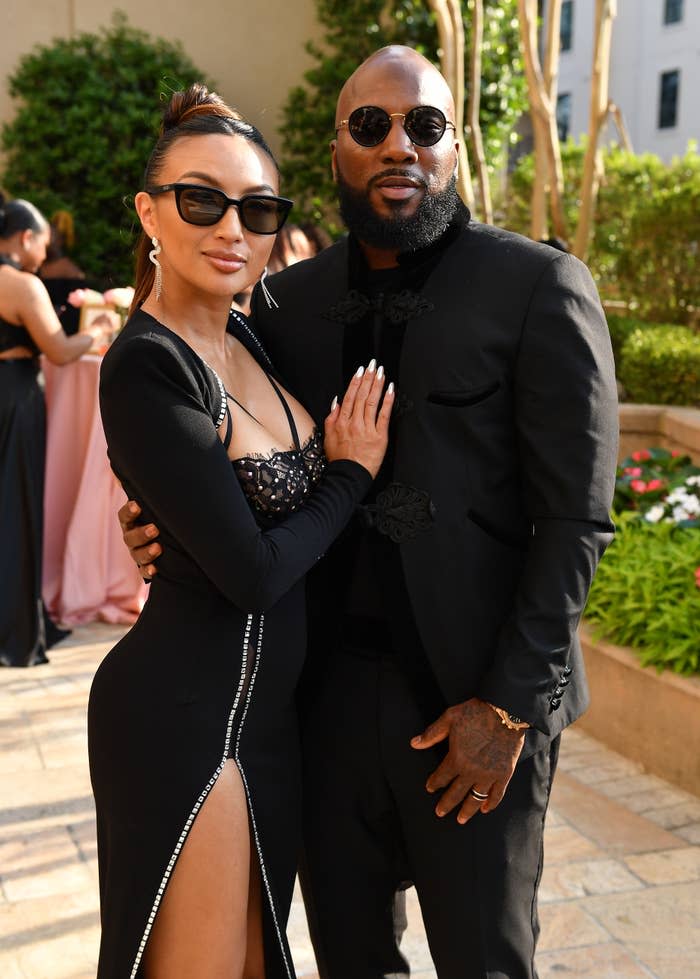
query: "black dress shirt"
378, 617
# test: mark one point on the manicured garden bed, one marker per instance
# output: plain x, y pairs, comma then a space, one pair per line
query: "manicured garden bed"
646, 695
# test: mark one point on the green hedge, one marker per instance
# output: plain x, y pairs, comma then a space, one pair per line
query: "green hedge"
622, 327
646, 234
646, 595
661, 365
87, 113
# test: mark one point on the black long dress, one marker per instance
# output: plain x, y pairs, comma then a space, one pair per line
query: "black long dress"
26, 632
209, 670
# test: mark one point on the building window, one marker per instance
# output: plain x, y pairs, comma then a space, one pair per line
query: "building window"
564, 115
566, 29
668, 99
673, 11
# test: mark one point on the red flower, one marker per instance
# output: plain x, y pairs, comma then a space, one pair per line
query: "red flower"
638, 485
654, 484
675, 452
697, 577
642, 455
632, 471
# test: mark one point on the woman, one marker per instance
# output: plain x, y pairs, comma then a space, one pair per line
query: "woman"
28, 326
192, 727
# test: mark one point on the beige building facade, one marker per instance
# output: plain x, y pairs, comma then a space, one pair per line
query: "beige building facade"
253, 49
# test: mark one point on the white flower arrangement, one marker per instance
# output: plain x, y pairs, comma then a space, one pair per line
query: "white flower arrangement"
681, 506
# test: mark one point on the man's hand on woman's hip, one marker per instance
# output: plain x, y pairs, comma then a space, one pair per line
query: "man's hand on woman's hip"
140, 540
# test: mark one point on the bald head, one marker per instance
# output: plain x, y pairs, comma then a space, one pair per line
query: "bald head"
398, 70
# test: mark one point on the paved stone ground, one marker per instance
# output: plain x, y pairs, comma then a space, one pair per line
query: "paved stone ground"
620, 895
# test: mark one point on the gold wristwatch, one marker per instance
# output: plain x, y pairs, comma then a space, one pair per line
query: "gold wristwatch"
512, 722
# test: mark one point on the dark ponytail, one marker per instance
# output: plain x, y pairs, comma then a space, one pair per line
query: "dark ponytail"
19, 216
195, 111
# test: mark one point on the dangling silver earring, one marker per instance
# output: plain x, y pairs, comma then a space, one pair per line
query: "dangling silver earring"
153, 255
269, 298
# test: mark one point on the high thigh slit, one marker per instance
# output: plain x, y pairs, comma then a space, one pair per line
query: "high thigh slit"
207, 675
200, 928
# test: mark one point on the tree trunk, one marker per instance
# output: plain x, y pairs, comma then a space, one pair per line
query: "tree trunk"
605, 13
473, 107
622, 131
448, 15
549, 176
539, 220
551, 50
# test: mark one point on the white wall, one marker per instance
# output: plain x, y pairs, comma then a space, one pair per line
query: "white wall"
643, 48
253, 49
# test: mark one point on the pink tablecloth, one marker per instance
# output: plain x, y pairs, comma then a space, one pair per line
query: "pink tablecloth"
88, 573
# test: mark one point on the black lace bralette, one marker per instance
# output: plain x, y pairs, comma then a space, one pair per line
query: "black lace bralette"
276, 484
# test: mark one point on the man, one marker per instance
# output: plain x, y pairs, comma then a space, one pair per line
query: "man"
443, 650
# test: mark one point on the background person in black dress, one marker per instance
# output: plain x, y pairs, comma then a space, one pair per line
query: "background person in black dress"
192, 721
28, 326
450, 607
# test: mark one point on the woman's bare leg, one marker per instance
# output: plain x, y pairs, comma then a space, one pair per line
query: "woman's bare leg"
255, 952
201, 926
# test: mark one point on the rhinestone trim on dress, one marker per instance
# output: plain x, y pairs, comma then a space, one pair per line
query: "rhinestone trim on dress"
258, 845
205, 792
241, 322
222, 392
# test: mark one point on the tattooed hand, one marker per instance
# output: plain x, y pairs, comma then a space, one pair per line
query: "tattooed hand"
482, 754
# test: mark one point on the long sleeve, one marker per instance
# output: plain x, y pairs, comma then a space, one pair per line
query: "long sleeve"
567, 424
164, 447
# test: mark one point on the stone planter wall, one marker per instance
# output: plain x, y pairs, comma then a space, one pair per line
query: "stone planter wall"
643, 426
652, 718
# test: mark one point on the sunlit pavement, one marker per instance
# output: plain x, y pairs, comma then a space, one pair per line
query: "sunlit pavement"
620, 894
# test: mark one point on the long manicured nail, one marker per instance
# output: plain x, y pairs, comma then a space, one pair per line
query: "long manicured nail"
380, 373
334, 403
359, 372
390, 389
372, 366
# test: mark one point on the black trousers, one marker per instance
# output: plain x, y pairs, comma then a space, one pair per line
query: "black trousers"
370, 829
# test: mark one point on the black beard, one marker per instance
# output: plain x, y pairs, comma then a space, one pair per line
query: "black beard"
427, 223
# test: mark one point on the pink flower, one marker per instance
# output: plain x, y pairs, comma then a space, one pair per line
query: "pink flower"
642, 455
119, 297
675, 452
638, 485
85, 297
633, 471
654, 484
697, 577
77, 297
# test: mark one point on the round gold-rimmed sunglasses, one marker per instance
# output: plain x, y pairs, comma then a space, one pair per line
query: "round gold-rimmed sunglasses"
262, 214
370, 125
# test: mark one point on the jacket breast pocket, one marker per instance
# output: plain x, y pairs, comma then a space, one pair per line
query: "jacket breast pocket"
463, 398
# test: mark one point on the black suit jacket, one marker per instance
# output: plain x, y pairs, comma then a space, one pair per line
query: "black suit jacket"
509, 423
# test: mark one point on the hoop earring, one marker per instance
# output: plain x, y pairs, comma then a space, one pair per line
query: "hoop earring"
153, 256
269, 298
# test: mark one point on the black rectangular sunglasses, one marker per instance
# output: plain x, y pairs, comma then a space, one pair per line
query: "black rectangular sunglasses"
262, 214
